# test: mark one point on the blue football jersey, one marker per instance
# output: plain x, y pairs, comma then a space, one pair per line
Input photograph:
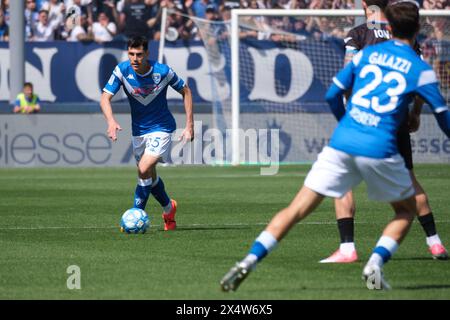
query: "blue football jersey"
147, 95
383, 78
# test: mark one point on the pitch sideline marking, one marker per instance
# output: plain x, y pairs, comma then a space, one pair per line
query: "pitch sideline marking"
186, 226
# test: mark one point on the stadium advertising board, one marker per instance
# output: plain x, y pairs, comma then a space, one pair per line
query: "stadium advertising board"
65, 72
81, 140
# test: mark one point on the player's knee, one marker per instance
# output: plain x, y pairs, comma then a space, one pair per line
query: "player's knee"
422, 203
406, 208
144, 172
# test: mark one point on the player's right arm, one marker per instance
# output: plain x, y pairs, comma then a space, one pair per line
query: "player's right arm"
352, 46
110, 89
113, 125
341, 83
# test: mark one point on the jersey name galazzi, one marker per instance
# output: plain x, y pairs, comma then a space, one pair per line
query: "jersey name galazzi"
390, 61
383, 78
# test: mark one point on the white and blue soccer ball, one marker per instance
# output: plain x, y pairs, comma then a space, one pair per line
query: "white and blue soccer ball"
134, 220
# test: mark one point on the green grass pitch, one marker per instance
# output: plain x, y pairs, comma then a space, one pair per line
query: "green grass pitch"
54, 218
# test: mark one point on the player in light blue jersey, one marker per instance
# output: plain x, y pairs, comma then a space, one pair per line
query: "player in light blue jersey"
145, 82
383, 78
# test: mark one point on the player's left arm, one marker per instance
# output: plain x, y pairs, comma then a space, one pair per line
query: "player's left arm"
179, 85
188, 132
428, 90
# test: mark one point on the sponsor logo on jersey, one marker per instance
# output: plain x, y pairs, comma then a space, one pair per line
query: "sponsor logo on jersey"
146, 90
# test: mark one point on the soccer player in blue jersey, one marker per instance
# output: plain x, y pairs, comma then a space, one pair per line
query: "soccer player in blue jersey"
145, 82
384, 78
376, 30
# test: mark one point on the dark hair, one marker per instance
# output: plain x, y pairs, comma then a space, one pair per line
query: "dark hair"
43, 10
379, 3
28, 84
403, 16
137, 41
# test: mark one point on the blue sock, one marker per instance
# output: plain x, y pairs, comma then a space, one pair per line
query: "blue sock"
159, 192
143, 190
265, 243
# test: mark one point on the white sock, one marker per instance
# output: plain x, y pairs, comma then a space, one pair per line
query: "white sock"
433, 240
347, 248
250, 260
168, 207
375, 258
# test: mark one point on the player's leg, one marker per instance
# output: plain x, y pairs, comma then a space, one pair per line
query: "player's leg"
388, 180
345, 212
303, 204
333, 174
387, 245
425, 215
144, 186
426, 219
168, 205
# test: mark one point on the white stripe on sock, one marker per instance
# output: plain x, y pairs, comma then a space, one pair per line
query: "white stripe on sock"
387, 242
267, 240
144, 182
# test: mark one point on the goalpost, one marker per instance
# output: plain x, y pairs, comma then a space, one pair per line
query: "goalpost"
279, 63
235, 91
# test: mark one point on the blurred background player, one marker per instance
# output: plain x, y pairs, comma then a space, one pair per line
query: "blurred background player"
384, 78
376, 30
27, 101
145, 82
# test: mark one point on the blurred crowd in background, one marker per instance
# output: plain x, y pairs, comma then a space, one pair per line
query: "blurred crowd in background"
110, 20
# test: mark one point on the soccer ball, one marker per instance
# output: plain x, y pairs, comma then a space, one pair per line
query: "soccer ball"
134, 220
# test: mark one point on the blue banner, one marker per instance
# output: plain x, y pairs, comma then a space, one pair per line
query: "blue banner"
273, 73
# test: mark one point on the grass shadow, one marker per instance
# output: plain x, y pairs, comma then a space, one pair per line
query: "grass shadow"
425, 287
208, 228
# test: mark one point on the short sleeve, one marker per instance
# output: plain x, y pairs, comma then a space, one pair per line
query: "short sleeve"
428, 89
351, 42
114, 82
176, 82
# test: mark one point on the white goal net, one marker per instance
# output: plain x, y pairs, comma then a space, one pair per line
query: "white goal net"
270, 69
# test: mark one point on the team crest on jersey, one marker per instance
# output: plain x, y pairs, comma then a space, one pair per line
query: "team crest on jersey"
156, 78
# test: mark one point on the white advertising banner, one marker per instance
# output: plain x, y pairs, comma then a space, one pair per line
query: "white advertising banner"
80, 140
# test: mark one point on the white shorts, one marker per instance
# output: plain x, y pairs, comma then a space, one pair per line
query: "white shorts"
336, 172
156, 144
